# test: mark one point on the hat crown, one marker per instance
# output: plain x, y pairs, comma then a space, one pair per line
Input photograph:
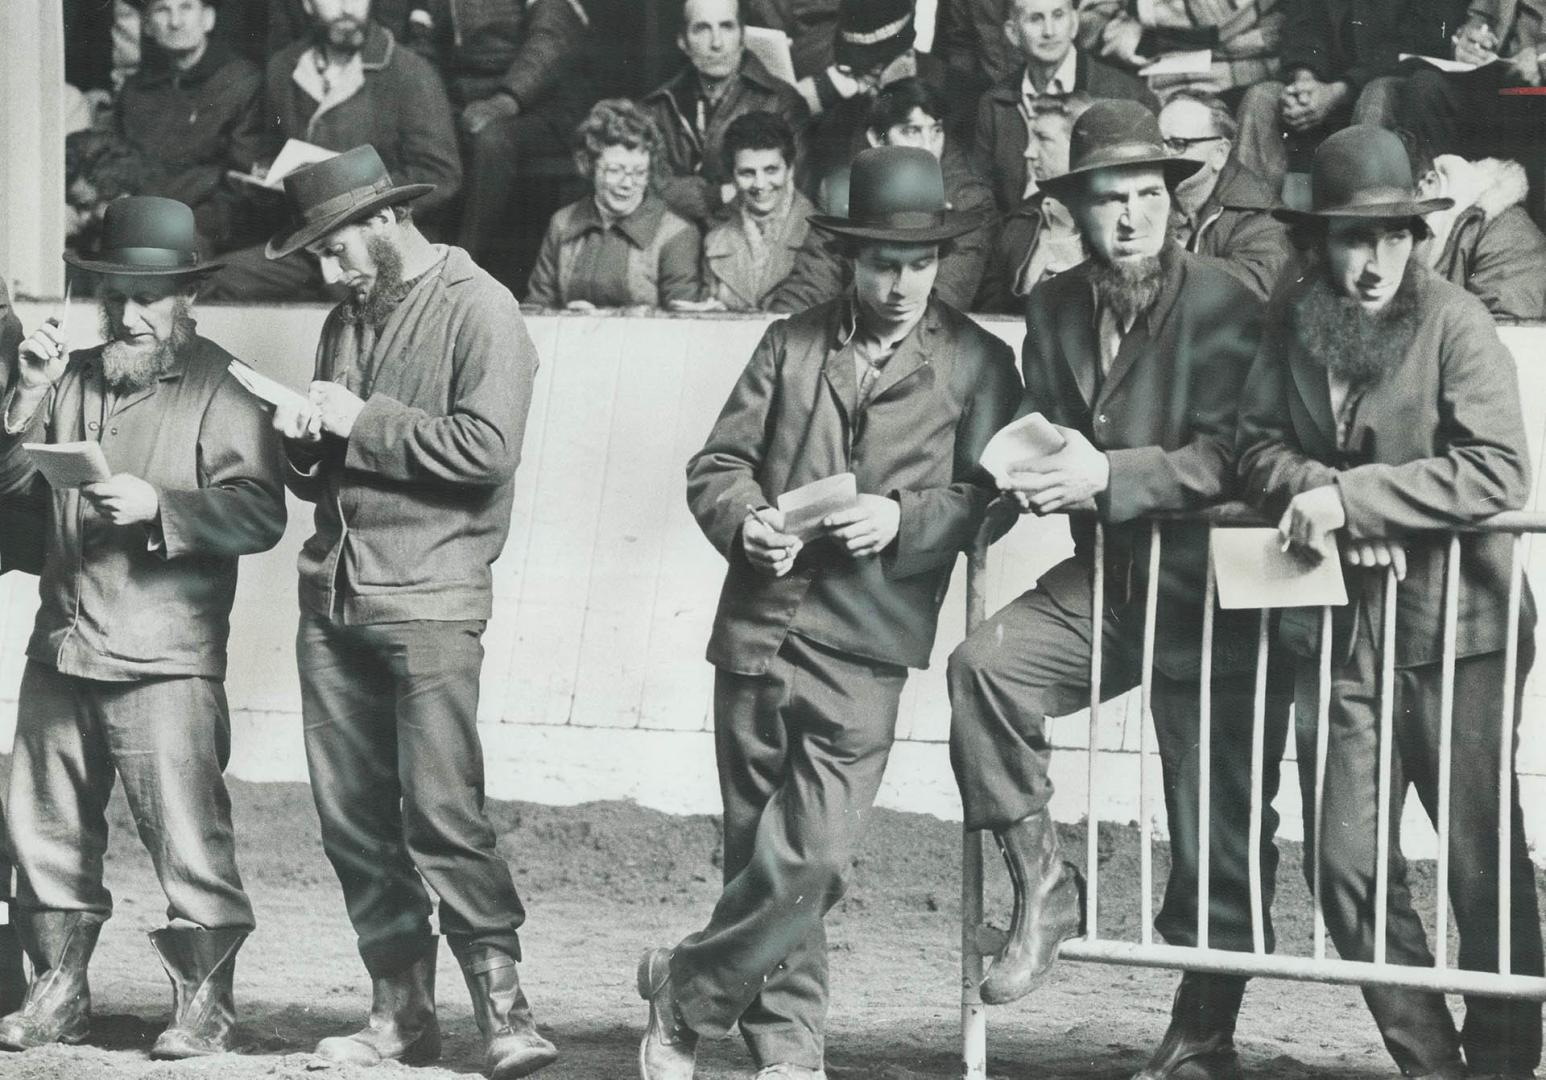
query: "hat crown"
317, 188
1114, 132
147, 223
887, 181
1360, 165
873, 32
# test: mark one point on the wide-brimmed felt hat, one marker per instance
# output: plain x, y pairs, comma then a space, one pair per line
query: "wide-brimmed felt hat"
146, 236
897, 194
873, 32
329, 194
1115, 133
1362, 171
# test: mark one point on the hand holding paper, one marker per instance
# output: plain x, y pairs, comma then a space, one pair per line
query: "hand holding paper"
69, 465
867, 527
1253, 570
1027, 439
805, 508
768, 547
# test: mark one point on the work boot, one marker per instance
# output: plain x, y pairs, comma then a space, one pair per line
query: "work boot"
1200, 1042
13, 978
512, 1045
201, 965
402, 1025
57, 1005
669, 1047
1048, 909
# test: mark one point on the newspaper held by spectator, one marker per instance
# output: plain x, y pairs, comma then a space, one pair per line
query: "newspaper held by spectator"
1413, 61
266, 389
294, 154
1027, 439
69, 465
804, 508
1190, 62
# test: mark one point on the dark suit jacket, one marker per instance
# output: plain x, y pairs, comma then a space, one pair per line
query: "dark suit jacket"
791, 420
1437, 442
1358, 40
1165, 416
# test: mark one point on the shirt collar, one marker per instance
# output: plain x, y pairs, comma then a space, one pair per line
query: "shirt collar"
848, 323
1060, 85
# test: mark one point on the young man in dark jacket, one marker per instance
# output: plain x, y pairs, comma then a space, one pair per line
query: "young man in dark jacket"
813, 637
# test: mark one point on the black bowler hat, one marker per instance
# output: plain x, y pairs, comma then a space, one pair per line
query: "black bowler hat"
1363, 171
873, 32
330, 194
1112, 134
146, 236
897, 194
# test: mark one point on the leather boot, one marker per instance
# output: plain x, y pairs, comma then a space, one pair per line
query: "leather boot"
57, 1006
13, 979
1200, 1042
402, 1025
669, 1048
1048, 909
512, 1046
201, 965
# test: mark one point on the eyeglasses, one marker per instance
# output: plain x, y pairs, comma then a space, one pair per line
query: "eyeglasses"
1178, 144
613, 173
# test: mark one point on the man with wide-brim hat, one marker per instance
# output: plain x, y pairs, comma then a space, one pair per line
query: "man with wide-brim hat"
1383, 409
414, 427
1137, 355
125, 674
817, 625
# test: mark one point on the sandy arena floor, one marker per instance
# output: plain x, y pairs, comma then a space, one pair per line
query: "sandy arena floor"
603, 880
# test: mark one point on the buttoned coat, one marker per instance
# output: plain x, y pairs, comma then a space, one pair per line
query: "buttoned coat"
1438, 441
792, 419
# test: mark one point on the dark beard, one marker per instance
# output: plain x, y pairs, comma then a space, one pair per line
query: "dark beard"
127, 369
1347, 340
385, 293
1129, 288
343, 34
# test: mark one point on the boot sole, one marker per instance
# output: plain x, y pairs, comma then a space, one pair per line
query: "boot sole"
511, 1069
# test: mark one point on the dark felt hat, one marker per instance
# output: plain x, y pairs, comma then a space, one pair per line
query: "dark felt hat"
1112, 134
1363, 171
897, 194
871, 33
146, 236
330, 194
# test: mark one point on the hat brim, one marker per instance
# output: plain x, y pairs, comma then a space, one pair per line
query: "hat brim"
1176, 169
1393, 210
283, 245
955, 224
98, 266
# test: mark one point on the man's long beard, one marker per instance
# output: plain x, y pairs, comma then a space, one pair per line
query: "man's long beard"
1350, 342
1130, 287
385, 293
128, 369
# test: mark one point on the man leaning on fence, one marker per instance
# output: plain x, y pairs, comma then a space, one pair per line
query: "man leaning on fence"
1382, 410
1138, 355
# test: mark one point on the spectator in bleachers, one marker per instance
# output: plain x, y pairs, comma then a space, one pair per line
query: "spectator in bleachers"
1222, 211
1486, 243
348, 83
809, 25
620, 246
98, 168
1242, 36
1043, 31
192, 111
745, 258
721, 82
909, 112
1038, 238
970, 41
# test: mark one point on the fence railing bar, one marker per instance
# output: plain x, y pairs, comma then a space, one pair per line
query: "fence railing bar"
1387, 737
1205, 760
1258, 763
1092, 816
1322, 748
1446, 754
974, 1014
1506, 757
1146, 722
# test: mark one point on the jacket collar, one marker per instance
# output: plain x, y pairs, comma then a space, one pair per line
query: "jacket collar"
639, 227
912, 353
158, 69
1146, 329
682, 88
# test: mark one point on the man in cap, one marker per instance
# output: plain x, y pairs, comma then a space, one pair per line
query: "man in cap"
125, 672
816, 628
1381, 410
413, 430
1137, 355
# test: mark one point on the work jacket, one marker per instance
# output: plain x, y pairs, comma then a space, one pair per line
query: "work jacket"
1487, 243
1235, 228
742, 278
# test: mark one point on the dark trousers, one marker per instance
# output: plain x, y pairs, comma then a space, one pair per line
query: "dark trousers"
1030, 661
498, 158
169, 740
801, 751
1266, 145
1500, 1035
391, 718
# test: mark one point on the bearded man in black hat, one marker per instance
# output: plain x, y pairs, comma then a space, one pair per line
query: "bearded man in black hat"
1137, 355
125, 671
1383, 406
414, 428
814, 636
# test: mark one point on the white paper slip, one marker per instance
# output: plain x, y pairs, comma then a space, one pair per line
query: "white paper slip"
1453, 67
1253, 571
69, 465
294, 154
772, 48
261, 386
804, 507
1027, 439
1190, 62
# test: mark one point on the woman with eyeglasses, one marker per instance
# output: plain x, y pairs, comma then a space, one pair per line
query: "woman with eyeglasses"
619, 247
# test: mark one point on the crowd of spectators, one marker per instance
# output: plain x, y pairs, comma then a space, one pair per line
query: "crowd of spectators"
640, 153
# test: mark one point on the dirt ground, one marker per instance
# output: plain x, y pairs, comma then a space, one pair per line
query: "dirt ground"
603, 880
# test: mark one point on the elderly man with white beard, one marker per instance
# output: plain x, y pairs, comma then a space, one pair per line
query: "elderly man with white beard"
126, 666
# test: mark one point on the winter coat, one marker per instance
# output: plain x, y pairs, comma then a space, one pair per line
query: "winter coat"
1358, 40
741, 278
1487, 243
1236, 229
1243, 37
649, 257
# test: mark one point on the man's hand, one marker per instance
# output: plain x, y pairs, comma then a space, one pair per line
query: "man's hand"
1120, 40
480, 114
338, 407
1312, 516
769, 550
303, 424
123, 499
1475, 43
1372, 553
1526, 66
1308, 102
1067, 480
867, 528
42, 358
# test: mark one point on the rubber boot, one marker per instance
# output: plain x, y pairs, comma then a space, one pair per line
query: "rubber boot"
402, 1025
669, 1048
512, 1046
13, 978
57, 1005
1200, 1042
1048, 909
201, 965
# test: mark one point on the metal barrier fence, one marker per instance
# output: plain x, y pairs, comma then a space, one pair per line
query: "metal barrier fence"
979, 940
